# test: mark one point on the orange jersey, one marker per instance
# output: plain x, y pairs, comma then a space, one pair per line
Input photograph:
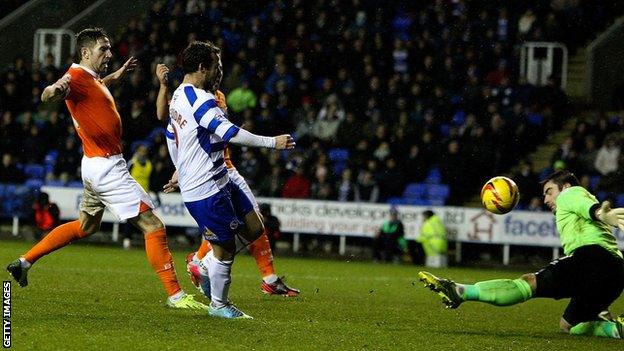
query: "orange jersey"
95, 116
226, 151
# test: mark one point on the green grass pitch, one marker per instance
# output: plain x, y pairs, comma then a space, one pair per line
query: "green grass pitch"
102, 298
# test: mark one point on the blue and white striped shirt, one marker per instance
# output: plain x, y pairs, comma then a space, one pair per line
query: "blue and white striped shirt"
200, 130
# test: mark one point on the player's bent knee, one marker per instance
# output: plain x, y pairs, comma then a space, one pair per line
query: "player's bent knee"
224, 251
253, 226
147, 222
530, 278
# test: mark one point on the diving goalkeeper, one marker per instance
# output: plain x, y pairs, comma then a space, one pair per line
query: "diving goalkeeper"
591, 274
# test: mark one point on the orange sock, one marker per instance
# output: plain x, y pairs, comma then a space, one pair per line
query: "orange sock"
203, 250
261, 251
159, 256
57, 238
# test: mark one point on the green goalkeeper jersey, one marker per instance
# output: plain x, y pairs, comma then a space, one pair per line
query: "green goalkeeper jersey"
575, 223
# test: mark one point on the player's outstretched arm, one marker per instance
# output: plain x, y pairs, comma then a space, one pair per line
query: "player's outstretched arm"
57, 91
163, 92
280, 142
114, 77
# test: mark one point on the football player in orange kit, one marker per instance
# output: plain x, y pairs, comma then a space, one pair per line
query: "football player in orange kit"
107, 183
260, 249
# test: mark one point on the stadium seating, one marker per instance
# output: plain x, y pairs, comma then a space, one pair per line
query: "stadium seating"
55, 183
34, 171
434, 176
34, 184
415, 191
619, 201
16, 200
438, 191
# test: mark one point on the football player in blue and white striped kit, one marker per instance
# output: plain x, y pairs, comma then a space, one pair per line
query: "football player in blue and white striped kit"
201, 130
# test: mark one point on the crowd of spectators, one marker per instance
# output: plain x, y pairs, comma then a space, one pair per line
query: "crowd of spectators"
376, 96
593, 153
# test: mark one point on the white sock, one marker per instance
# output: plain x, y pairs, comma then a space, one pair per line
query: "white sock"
270, 279
220, 279
177, 296
25, 264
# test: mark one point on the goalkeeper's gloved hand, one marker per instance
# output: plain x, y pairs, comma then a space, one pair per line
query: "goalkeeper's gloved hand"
612, 216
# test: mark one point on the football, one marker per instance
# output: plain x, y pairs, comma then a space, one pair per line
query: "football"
500, 195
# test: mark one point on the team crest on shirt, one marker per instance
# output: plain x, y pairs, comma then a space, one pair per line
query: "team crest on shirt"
234, 224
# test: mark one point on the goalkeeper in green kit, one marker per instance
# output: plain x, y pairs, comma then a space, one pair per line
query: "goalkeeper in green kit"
591, 274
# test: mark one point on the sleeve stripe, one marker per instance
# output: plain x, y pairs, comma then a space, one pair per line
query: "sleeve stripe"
169, 135
190, 95
213, 125
220, 174
230, 133
218, 163
205, 107
204, 139
217, 146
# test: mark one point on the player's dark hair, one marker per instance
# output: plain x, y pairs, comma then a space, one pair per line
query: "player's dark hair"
562, 177
197, 52
88, 38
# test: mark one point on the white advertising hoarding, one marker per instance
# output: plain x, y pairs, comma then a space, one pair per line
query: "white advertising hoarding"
362, 219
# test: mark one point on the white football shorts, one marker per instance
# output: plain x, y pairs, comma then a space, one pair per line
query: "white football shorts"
107, 183
238, 179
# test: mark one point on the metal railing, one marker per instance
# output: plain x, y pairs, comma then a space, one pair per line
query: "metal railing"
58, 42
541, 60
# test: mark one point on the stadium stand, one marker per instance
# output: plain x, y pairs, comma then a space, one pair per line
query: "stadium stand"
440, 77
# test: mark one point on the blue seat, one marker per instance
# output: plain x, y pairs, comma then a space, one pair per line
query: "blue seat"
155, 132
34, 171
415, 191
55, 183
34, 184
338, 155
9, 189
601, 195
459, 118
438, 191
620, 200
339, 167
20, 202
434, 176
6, 208
50, 158
535, 119
593, 182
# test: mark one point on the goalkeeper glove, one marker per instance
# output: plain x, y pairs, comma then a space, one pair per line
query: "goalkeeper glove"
612, 216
